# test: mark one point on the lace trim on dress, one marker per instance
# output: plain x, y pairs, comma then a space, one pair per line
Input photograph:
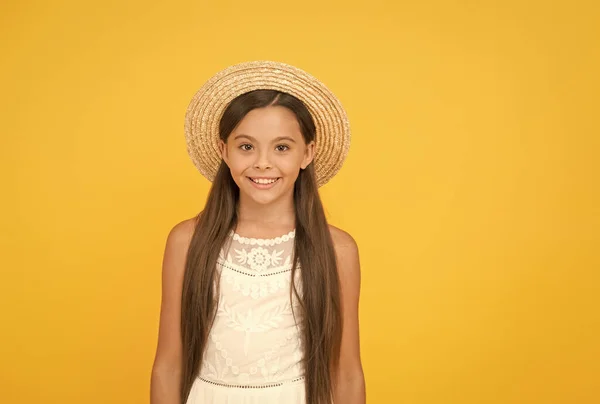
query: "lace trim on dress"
263, 241
250, 386
240, 270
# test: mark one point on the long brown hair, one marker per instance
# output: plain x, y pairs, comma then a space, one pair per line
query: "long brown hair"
320, 318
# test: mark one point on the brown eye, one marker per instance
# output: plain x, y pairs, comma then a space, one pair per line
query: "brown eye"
282, 147
243, 147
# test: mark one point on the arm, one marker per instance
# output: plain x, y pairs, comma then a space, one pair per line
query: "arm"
166, 370
350, 381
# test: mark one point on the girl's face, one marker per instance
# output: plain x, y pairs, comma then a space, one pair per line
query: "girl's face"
265, 153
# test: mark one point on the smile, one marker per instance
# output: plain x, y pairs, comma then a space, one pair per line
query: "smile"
263, 183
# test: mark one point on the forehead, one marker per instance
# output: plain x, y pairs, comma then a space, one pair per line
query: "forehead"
269, 122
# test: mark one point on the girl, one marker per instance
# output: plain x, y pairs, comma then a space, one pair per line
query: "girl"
260, 295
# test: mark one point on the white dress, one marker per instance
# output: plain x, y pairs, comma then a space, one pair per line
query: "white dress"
254, 351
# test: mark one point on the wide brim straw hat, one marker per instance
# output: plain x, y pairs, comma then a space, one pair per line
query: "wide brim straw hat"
208, 104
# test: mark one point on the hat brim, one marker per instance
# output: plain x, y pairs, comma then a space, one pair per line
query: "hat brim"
208, 104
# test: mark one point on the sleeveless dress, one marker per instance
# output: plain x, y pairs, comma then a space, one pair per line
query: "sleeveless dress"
254, 350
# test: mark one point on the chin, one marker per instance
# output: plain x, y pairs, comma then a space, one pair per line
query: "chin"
264, 201
265, 197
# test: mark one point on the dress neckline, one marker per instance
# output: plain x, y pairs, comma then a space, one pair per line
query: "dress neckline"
262, 241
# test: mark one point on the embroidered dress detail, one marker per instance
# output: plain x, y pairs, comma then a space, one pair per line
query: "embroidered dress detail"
254, 350
252, 387
262, 241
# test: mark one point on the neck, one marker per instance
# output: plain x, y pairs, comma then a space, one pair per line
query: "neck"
276, 215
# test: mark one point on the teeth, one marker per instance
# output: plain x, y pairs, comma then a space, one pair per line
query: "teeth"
263, 181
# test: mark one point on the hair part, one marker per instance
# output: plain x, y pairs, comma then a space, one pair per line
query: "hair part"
320, 319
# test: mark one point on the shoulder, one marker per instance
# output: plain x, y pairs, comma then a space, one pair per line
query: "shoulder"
179, 238
342, 240
182, 231
346, 251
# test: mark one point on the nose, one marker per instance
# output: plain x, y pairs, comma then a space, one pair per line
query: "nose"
262, 161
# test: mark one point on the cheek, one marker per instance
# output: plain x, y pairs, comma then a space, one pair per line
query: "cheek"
237, 164
290, 166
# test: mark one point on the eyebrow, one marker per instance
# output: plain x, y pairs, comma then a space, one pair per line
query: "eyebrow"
277, 139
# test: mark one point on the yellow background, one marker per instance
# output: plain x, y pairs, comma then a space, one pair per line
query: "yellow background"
471, 187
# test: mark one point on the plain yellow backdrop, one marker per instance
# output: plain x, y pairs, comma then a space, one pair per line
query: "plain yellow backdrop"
471, 187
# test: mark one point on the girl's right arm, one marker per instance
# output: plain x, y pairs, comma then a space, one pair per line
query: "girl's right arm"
166, 370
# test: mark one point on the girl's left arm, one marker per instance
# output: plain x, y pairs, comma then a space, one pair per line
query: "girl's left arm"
350, 386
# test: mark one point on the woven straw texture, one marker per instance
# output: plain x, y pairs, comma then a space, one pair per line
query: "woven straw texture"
208, 104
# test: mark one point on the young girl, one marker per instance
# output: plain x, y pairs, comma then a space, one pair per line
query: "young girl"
260, 295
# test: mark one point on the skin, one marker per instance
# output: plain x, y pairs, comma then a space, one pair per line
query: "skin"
256, 148
267, 143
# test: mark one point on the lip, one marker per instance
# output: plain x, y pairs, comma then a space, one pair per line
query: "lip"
264, 186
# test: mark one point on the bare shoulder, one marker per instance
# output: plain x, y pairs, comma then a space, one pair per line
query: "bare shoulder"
346, 251
183, 231
168, 351
342, 240
178, 242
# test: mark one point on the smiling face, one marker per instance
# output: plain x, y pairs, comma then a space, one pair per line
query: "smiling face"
265, 153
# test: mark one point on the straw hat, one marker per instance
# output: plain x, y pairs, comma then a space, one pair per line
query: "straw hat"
208, 104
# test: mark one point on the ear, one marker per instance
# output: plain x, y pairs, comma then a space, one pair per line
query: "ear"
309, 155
223, 151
